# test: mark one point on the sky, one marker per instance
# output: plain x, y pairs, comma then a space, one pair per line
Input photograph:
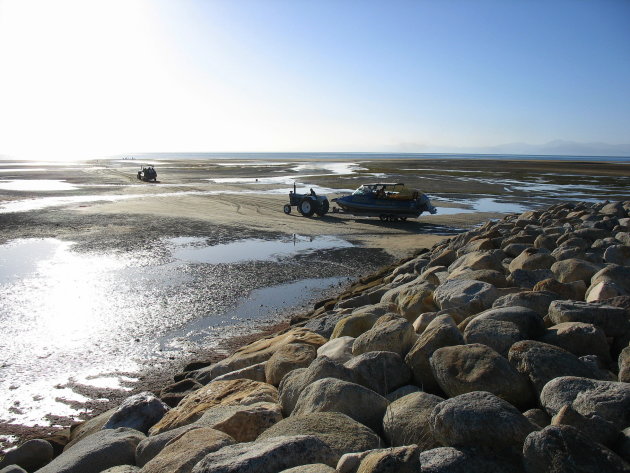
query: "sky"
90, 78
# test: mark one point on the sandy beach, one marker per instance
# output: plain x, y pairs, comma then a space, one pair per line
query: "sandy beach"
102, 209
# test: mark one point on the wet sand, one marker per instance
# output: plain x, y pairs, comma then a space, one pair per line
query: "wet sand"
110, 210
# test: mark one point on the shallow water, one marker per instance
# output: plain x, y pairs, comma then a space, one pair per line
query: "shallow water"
96, 317
196, 250
36, 185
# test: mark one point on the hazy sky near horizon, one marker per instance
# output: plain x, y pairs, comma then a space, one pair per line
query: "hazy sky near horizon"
91, 78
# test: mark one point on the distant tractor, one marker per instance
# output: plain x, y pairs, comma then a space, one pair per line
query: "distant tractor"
147, 174
307, 204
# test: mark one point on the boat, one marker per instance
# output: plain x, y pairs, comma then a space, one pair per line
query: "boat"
388, 201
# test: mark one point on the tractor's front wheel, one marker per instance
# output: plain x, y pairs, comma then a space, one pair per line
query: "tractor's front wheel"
287, 209
307, 207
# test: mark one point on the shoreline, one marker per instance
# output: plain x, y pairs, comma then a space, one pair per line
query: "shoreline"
117, 224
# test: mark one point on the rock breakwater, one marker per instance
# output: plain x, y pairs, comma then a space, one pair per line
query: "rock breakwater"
505, 348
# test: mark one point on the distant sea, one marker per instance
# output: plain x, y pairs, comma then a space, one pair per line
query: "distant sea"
366, 156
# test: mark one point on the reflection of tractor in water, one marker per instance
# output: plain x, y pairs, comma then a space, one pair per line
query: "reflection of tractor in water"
307, 204
147, 173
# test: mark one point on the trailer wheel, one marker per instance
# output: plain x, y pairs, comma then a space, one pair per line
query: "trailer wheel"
323, 208
306, 207
287, 209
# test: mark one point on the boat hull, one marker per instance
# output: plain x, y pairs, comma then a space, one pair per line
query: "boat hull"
372, 207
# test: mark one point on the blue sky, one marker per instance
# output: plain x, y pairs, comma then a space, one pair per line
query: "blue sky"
100, 77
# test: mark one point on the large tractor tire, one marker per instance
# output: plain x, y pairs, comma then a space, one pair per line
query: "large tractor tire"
323, 208
307, 207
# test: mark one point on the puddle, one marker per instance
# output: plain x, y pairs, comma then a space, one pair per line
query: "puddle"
260, 304
484, 204
94, 318
196, 250
36, 185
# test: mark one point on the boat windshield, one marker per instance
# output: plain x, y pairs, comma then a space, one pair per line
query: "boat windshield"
363, 190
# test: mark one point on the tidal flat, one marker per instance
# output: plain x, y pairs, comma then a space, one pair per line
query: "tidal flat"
109, 284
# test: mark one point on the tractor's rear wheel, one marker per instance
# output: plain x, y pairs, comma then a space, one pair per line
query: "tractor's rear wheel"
287, 209
323, 208
307, 207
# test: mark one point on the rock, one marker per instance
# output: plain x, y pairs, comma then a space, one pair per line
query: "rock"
466, 368
288, 358
139, 412
182, 453
560, 449
294, 383
432, 275
454, 460
254, 372
337, 349
395, 335
527, 279
545, 241
598, 429
31, 455
538, 417
122, 469
574, 269
479, 419
267, 456
619, 275
242, 423
515, 249
257, 352
356, 401
217, 393
415, 299
623, 237
624, 365
440, 332
402, 392
490, 276
615, 209
313, 468
612, 320
97, 452
618, 254
360, 321
325, 324
444, 258
603, 290
423, 321
579, 338
501, 328
536, 301
13, 469
531, 259
151, 446
623, 445
341, 433
609, 400
563, 253
173, 393
392, 460
406, 420
481, 244
479, 260
574, 290
80, 431
380, 371
475, 296
542, 362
